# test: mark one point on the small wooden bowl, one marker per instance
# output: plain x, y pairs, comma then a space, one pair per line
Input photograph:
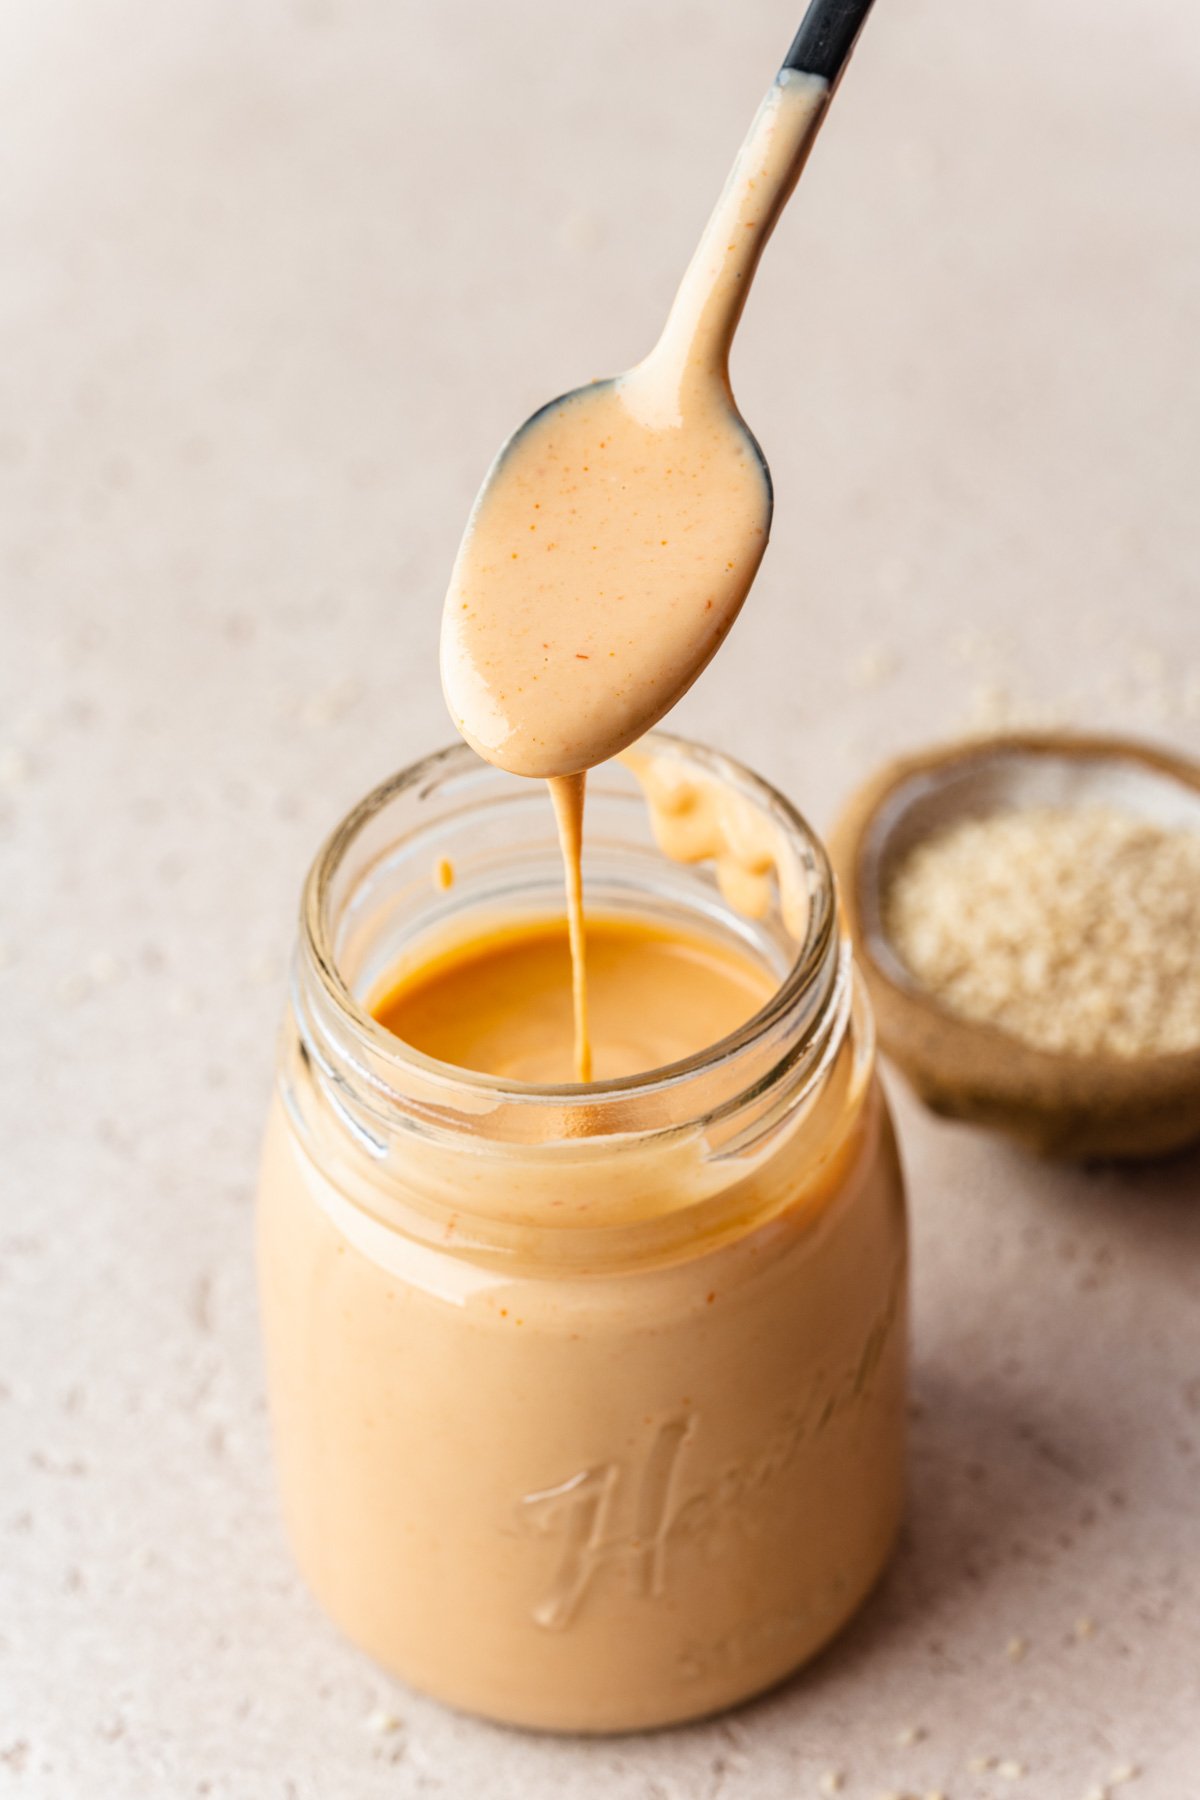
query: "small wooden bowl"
1061, 1105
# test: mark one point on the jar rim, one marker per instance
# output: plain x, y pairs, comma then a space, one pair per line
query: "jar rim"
813, 966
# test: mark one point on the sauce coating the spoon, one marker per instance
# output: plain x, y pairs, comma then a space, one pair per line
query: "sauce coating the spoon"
619, 531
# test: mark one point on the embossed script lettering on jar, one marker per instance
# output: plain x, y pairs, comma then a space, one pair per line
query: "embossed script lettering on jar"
626, 1515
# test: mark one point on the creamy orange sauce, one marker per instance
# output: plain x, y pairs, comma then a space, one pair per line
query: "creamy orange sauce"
501, 1003
698, 818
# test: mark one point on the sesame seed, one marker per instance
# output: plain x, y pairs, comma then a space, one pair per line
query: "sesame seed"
1148, 664
1074, 930
102, 967
832, 1781
382, 1722
874, 666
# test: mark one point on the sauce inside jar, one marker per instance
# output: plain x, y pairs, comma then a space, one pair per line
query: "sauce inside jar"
501, 1002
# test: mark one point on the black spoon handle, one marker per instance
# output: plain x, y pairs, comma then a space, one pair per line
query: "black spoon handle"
826, 37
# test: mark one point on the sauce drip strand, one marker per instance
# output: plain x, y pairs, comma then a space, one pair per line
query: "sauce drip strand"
567, 793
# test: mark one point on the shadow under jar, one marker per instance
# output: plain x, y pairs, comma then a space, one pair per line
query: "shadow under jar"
588, 1402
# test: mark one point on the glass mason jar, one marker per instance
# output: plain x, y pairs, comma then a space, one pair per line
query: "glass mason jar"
588, 1402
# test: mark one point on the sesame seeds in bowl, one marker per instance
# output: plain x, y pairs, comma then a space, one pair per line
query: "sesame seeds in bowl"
1027, 914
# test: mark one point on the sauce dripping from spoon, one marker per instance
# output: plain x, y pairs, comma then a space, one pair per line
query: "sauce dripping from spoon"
618, 532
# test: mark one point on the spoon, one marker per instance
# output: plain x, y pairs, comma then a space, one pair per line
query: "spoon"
618, 532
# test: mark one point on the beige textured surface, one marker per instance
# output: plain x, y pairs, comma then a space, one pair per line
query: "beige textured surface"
275, 281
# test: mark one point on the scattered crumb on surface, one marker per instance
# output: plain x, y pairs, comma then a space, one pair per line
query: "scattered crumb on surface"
382, 1722
102, 967
319, 711
994, 707
971, 645
1148, 664
580, 231
874, 665
1016, 1649
262, 970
